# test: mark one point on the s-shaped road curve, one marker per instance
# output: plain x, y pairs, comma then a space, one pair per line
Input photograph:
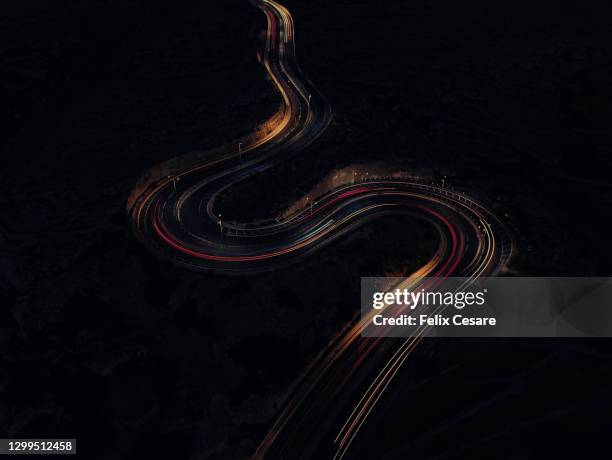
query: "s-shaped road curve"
174, 217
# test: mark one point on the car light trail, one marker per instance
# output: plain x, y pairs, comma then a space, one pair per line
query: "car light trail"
174, 218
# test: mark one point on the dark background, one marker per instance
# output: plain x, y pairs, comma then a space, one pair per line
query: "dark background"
139, 359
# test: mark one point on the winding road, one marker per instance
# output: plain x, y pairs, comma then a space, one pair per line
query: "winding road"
174, 216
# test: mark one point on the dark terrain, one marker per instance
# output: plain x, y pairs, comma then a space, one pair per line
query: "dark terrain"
139, 359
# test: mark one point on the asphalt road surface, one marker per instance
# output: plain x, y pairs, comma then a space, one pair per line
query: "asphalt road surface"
174, 216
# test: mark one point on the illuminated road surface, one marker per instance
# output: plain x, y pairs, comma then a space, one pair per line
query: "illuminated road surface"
174, 217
